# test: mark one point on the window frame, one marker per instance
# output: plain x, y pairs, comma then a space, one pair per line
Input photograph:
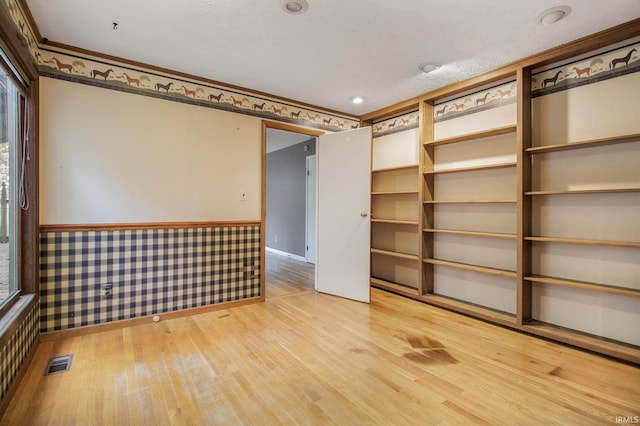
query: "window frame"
15, 102
22, 70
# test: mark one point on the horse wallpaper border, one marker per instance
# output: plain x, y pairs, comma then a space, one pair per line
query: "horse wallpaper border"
58, 64
488, 98
398, 123
599, 67
22, 26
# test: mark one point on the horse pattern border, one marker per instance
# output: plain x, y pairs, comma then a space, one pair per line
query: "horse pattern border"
16, 14
603, 66
488, 98
399, 123
58, 64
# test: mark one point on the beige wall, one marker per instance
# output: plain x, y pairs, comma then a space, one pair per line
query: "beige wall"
114, 157
605, 109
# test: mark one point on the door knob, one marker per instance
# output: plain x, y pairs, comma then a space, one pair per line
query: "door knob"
364, 214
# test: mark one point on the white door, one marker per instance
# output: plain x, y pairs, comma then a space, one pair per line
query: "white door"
344, 189
310, 239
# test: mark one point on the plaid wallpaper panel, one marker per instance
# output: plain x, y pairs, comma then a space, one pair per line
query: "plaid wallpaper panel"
14, 353
94, 277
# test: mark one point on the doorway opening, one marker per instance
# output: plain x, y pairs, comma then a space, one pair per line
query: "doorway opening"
288, 209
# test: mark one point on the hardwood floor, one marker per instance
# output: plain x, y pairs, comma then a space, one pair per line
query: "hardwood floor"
286, 276
308, 358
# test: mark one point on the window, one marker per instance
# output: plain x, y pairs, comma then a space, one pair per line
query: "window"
10, 100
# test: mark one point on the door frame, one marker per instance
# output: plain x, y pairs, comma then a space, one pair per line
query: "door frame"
310, 159
268, 124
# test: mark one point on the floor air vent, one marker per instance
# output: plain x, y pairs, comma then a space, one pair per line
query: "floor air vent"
59, 364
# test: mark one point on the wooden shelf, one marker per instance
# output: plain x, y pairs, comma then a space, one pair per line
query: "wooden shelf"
395, 222
471, 233
394, 287
471, 309
394, 192
601, 288
599, 344
472, 168
472, 136
583, 191
585, 242
394, 254
467, 267
584, 144
397, 168
468, 201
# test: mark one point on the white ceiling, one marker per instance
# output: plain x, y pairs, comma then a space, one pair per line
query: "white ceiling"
336, 50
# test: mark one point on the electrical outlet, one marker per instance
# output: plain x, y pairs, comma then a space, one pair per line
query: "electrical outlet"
108, 290
276, 238
243, 196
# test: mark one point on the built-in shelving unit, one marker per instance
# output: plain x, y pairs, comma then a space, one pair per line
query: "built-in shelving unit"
395, 224
460, 172
562, 187
527, 210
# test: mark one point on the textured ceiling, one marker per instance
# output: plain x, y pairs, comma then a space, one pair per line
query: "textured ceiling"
336, 50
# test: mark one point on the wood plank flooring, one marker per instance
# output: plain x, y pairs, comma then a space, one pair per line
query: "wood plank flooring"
308, 358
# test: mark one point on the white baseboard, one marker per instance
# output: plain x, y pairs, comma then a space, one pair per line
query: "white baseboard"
284, 253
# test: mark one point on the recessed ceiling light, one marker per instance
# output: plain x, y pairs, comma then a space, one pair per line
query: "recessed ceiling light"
357, 100
295, 7
428, 67
553, 15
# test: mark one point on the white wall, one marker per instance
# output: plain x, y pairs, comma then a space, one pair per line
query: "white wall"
114, 157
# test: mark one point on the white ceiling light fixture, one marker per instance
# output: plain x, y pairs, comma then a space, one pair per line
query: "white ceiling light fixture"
428, 67
357, 100
295, 7
553, 15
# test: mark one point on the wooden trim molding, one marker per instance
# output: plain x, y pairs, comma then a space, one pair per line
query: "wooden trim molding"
149, 225
116, 325
269, 124
15, 316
